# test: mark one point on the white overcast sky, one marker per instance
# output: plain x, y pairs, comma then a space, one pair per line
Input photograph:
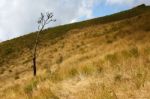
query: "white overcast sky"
19, 17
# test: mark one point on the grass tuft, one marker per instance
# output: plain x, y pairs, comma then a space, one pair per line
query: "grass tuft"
118, 77
73, 72
30, 87
139, 78
112, 58
134, 52
88, 70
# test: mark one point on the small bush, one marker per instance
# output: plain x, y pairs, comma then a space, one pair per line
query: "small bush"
73, 72
134, 52
30, 87
118, 77
87, 70
112, 58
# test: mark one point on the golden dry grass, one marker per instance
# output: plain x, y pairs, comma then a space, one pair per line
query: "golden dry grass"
103, 61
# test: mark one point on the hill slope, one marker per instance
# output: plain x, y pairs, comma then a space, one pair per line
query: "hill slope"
102, 58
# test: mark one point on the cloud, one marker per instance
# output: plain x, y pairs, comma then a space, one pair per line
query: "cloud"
119, 2
127, 2
2, 35
137, 2
18, 17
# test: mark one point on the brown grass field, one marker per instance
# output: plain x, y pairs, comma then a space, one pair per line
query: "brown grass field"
102, 58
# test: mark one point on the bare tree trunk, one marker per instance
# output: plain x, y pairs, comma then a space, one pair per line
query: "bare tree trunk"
42, 22
34, 52
34, 66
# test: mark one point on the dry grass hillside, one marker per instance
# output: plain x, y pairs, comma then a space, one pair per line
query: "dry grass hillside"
102, 58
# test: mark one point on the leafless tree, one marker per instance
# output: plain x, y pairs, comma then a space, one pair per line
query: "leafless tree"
42, 22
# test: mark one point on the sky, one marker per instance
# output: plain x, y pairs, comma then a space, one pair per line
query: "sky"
19, 17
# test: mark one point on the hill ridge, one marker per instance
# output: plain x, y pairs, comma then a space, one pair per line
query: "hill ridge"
141, 9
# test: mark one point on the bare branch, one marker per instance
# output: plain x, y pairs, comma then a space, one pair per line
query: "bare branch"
43, 20
49, 15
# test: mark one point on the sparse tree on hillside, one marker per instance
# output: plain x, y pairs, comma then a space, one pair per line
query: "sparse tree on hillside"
42, 22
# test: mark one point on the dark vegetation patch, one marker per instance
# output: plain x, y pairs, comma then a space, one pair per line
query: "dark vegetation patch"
30, 87
112, 58
131, 52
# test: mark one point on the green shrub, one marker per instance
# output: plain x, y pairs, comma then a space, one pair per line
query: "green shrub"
73, 72
30, 87
87, 70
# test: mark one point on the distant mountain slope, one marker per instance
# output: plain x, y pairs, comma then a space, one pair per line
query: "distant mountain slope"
106, 58
27, 41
